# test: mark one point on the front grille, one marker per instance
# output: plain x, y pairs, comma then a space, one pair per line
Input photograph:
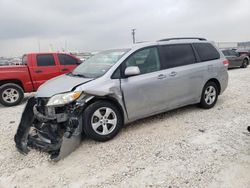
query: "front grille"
59, 110
41, 102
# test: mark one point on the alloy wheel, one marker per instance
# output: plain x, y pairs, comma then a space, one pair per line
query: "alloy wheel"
104, 121
210, 95
10, 95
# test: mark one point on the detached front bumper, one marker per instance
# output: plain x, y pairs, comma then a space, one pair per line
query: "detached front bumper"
56, 131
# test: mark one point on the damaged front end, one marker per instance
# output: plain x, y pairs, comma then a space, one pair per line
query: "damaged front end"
50, 128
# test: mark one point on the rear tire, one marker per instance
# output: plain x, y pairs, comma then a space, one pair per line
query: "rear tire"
209, 95
11, 94
245, 63
102, 121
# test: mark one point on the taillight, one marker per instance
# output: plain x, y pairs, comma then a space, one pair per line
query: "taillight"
226, 62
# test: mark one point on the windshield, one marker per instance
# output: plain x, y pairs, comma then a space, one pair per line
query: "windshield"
98, 64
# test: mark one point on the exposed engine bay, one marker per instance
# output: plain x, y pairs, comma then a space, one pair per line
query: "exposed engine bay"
56, 130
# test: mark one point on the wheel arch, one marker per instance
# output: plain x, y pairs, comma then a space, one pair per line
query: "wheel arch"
14, 81
216, 81
246, 58
109, 99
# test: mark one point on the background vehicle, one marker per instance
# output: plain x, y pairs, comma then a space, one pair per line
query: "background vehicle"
236, 59
3, 62
244, 51
36, 68
115, 87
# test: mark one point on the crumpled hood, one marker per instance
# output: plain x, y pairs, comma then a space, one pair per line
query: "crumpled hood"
60, 84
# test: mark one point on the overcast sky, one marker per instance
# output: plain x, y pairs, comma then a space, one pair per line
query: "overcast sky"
91, 25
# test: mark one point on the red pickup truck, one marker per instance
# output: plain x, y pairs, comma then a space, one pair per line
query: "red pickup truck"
36, 69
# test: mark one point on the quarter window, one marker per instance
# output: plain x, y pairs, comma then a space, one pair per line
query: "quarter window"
177, 55
45, 60
147, 60
206, 51
67, 60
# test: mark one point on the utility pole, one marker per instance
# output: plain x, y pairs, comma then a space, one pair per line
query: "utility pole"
133, 35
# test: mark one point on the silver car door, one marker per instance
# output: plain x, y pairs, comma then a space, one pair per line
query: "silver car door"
143, 93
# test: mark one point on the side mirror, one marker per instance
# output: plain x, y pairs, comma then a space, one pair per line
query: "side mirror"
238, 54
132, 71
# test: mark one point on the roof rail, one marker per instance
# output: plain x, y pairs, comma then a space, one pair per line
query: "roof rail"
182, 38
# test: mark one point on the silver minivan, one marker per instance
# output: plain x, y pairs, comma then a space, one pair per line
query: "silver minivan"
116, 87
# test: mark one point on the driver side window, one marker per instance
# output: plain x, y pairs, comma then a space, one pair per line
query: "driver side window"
147, 60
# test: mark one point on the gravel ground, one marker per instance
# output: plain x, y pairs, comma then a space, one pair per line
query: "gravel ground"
188, 147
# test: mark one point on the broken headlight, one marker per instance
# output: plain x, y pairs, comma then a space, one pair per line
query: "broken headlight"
64, 98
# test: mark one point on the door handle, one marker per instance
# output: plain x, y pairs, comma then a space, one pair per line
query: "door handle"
65, 69
173, 73
38, 71
161, 76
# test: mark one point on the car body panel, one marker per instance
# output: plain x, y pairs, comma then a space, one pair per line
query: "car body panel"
18, 73
66, 83
143, 91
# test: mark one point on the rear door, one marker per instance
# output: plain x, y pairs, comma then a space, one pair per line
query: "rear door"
67, 63
44, 68
235, 58
183, 76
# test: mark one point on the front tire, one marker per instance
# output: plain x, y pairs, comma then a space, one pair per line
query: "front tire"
209, 95
11, 94
102, 121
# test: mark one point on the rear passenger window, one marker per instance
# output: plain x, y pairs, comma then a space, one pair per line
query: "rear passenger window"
177, 55
67, 60
45, 60
206, 51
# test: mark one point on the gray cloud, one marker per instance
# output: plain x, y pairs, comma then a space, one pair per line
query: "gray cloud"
94, 24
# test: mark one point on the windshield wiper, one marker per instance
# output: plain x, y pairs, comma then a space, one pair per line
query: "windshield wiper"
77, 75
